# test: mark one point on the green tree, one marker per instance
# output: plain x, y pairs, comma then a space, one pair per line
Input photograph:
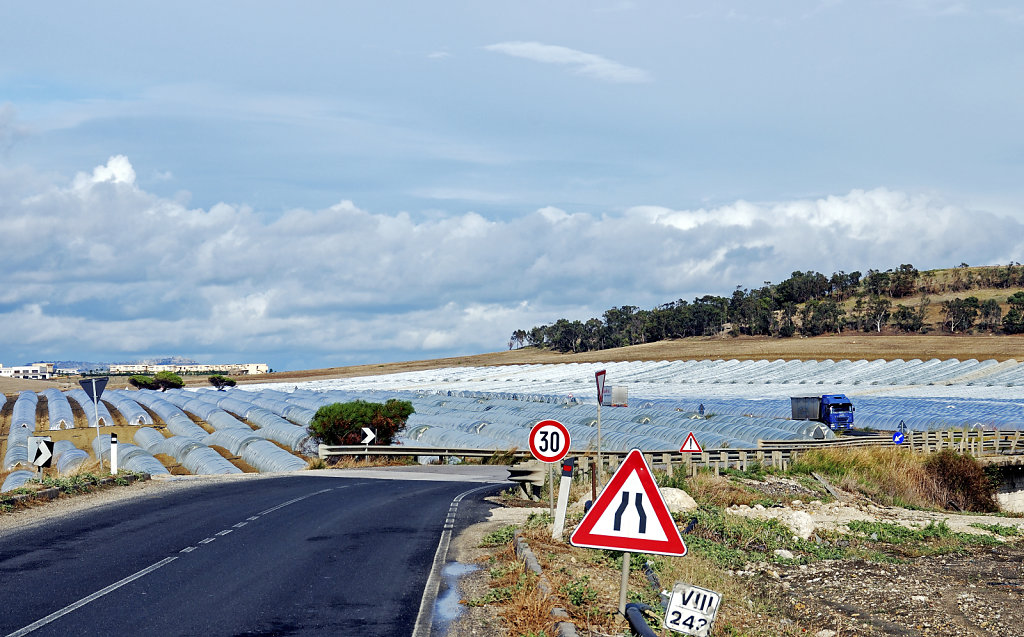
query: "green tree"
342, 423
878, 311
960, 313
143, 382
220, 381
168, 380
1013, 322
907, 319
991, 314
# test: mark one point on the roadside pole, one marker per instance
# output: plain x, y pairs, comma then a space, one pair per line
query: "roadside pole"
93, 387
551, 490
563, 497
599, 377
96, 416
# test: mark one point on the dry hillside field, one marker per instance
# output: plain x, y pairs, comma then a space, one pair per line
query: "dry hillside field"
853, 346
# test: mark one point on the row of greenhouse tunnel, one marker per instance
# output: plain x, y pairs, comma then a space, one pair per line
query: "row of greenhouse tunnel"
266, 426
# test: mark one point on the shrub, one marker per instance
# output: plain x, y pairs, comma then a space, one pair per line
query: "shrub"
168, 380
963, 481
143, 382
221, 381
342, 423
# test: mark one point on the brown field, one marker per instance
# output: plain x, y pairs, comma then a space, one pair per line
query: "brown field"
860, 345
854, 346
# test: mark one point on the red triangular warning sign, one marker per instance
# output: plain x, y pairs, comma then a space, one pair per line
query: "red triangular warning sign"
630, 514
690, 445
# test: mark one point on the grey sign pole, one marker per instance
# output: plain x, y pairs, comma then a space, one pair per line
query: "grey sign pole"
96, 415
600, 378
94, 387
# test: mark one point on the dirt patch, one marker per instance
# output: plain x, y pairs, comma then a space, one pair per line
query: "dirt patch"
977, 593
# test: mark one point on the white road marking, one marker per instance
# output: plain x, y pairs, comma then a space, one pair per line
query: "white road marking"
85, 600
167, 560
425, 616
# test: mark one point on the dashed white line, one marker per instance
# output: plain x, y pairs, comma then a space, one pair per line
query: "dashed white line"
224, 532
85, 600
239, 525
187, 549
207, 540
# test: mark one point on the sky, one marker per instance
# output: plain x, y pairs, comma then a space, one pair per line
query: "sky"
315, 184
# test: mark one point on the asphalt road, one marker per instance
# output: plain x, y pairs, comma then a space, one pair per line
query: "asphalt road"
292, 555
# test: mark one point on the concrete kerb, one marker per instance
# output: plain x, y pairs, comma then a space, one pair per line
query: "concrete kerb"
45, 495
563, 626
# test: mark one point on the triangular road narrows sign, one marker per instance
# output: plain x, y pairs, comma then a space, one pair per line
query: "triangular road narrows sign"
630, 515
690, 445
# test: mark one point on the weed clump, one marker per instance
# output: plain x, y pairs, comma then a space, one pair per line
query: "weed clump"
962, 482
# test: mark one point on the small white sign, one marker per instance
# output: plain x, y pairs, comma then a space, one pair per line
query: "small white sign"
691, 610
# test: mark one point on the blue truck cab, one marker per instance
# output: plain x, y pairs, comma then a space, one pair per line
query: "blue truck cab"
834, 410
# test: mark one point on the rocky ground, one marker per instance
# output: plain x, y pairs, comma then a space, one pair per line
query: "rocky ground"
966, 580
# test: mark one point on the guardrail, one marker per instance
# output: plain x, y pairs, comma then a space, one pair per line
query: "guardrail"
775, 453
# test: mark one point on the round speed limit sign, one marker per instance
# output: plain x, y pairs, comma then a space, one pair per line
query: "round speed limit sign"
549, 441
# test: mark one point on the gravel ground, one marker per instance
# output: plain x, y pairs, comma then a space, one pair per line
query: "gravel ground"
972, 594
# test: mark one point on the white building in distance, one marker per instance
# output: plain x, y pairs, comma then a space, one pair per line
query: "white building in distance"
35, 371
232, 368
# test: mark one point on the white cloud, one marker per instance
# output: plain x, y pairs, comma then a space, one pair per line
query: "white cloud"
582, 63
104, 266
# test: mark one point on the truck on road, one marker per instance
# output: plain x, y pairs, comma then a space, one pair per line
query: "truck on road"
834, 410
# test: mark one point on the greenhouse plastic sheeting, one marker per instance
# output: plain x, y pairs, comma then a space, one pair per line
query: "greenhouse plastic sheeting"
132, 412
67, 458
91, 410
269, 425
177, 422
17, 479
266, 457
234, 440
58, 410
23, 424
196, 458
129, 457
25, 410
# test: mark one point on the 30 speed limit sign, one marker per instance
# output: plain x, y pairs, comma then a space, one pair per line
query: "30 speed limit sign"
549, 441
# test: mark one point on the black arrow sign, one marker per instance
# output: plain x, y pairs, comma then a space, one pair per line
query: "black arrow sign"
44, 454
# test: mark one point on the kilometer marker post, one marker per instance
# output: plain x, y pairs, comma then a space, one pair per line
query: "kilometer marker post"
563, 498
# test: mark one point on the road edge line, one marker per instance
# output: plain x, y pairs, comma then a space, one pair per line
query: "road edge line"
425, 616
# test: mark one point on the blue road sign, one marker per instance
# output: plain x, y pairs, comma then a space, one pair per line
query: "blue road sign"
897, 438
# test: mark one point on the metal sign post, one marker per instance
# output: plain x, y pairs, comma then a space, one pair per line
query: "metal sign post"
599, 377
94, 388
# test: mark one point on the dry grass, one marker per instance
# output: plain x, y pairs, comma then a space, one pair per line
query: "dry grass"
888, 475
587, 582
525, 610
720, 491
